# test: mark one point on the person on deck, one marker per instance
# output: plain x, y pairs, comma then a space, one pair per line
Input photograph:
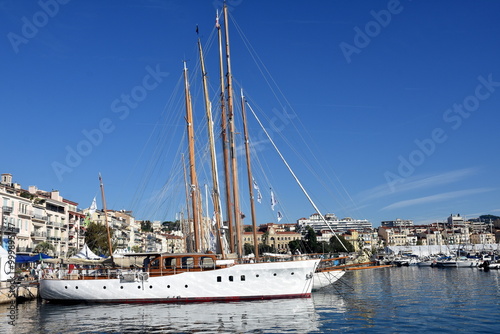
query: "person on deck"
145, 265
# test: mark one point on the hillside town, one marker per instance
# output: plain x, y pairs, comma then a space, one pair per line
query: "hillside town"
45, 222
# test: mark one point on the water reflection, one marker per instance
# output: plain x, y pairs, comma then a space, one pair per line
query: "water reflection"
290, 315
370, 301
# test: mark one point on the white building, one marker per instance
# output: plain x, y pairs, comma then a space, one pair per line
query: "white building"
340, 225
397, 223
37, 217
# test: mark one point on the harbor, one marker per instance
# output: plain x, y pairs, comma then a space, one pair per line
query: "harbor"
386, 300
270, 167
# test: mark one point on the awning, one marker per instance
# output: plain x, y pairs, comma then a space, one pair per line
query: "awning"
34, 258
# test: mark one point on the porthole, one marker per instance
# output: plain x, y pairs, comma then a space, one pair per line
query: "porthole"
138, 287
150, 286
257, 275
104, 287
274, 274
66, 287
121, 287
168, 286
76, 287
292, 273
186, 286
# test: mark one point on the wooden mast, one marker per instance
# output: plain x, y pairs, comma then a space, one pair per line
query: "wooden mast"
213, 156
225, 142
188, 231
106, 218
192, 164
250, 179
234, 162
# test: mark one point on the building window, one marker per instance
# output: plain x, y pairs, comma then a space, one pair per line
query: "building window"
219, 279
242, 278
230, 278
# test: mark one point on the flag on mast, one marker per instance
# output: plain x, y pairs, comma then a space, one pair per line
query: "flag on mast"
256, 187
273, 200
280, 216
93, 206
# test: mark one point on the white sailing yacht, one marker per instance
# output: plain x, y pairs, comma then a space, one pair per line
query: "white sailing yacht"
190, 277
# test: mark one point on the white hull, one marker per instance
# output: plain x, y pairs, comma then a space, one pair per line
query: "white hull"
457, 264
323, 279
239, 282
426, 264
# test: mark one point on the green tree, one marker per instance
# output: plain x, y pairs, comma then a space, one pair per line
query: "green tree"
265, 249
248, 228
44, 247
336, 245
96, 237
295, 245
311, 241
247, 248
171, 226
146, 226
265, 238
72, 251
488, 218
324, 247
27, 195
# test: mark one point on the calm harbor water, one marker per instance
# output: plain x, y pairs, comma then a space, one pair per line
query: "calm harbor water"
390, 300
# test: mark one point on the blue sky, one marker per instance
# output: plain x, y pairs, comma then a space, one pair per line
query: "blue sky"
384, 109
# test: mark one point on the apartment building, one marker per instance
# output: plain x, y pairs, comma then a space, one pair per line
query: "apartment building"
331, 221
39, 217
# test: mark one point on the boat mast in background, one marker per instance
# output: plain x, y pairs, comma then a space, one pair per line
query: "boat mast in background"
187, 229
225, 140
234, 162
106, 218
192, 164
213, 156
250, 178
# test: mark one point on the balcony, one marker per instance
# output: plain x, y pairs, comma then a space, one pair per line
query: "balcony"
9, 230
38, 235
24, 249
7, 209
27, 214
39, 218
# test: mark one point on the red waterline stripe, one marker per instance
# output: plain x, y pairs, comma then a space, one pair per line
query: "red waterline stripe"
186, 300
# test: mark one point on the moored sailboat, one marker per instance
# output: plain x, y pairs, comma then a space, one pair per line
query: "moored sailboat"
190, 277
